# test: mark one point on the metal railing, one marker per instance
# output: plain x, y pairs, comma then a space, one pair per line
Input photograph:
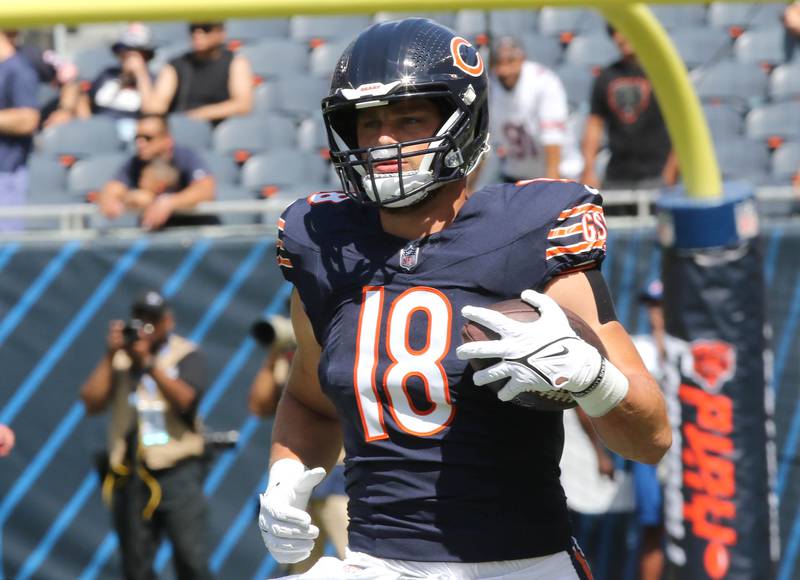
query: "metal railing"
84, 221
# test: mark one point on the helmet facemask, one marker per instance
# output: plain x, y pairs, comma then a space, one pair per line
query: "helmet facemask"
443, 160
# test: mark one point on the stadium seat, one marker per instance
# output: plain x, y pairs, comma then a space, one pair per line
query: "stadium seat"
679, 15
762, 47
543, 49
723, 120
242, 31
296, 96
166, 33
743, 159
732, 82
312, 136
80, 138
444, 18
325, 56
313, 29
700, 46
565, 23
87, 177
471, 23
190, 132
516, 23
276, 57
734, 17
222, 166
284, 169
92, 61
774, 123
593, 50
48, 177
784, 82
786, 161
577, 81
243, 137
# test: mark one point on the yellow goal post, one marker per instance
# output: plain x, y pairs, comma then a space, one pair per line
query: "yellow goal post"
679, 103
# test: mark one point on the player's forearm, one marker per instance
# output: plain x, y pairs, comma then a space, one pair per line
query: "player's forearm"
222, 110
179, 393
96, 391
264, 393
637, 428
592, 136
552, 160
19, 122
197, 191
303, 434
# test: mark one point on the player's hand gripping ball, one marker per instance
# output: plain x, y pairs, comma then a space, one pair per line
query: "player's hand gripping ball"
521, 311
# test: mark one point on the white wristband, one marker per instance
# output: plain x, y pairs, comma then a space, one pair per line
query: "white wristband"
606, 392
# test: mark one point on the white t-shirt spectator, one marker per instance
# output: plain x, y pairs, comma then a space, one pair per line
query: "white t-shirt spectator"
525, 119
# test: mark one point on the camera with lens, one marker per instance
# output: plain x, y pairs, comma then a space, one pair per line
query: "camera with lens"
275, 331
135, 329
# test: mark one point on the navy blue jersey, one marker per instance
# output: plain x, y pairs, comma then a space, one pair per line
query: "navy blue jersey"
438, 469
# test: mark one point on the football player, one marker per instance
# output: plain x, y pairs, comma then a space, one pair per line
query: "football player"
445, 479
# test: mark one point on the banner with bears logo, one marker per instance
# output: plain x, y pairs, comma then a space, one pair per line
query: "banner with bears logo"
718, 514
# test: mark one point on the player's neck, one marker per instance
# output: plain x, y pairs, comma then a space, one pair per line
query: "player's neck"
429, 217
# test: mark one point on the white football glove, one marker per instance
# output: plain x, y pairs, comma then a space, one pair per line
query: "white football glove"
544, 354
286, 527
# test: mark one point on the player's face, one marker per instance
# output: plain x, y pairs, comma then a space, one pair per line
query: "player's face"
206, 37
152, 139
625, 48
507, 66
405, 120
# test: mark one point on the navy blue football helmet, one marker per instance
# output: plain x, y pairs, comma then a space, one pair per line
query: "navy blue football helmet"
411, 58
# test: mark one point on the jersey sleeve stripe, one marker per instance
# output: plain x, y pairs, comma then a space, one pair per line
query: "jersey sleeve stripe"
281, 224
579, 248
285, 262
578, 210
565, 231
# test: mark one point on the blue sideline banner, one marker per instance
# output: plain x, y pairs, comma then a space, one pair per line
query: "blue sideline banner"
719, 519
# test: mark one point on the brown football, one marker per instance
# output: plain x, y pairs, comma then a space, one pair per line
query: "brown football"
524, 312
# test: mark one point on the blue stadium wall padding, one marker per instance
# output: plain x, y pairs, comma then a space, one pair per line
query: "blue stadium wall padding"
717, 495
59, 530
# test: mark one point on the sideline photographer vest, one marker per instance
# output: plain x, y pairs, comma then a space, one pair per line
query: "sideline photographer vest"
185, 440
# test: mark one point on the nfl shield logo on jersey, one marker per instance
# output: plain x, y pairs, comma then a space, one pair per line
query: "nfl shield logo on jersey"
409, 256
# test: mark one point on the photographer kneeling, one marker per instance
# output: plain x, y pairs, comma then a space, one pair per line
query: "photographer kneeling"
152, 380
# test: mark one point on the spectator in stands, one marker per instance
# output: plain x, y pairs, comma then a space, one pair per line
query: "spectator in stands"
151, 379
6, 440
528, 114
119, 91
54, 70
146, 182
209, 83
19, 119
328, 505
649, 494
623, 103
791, 24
